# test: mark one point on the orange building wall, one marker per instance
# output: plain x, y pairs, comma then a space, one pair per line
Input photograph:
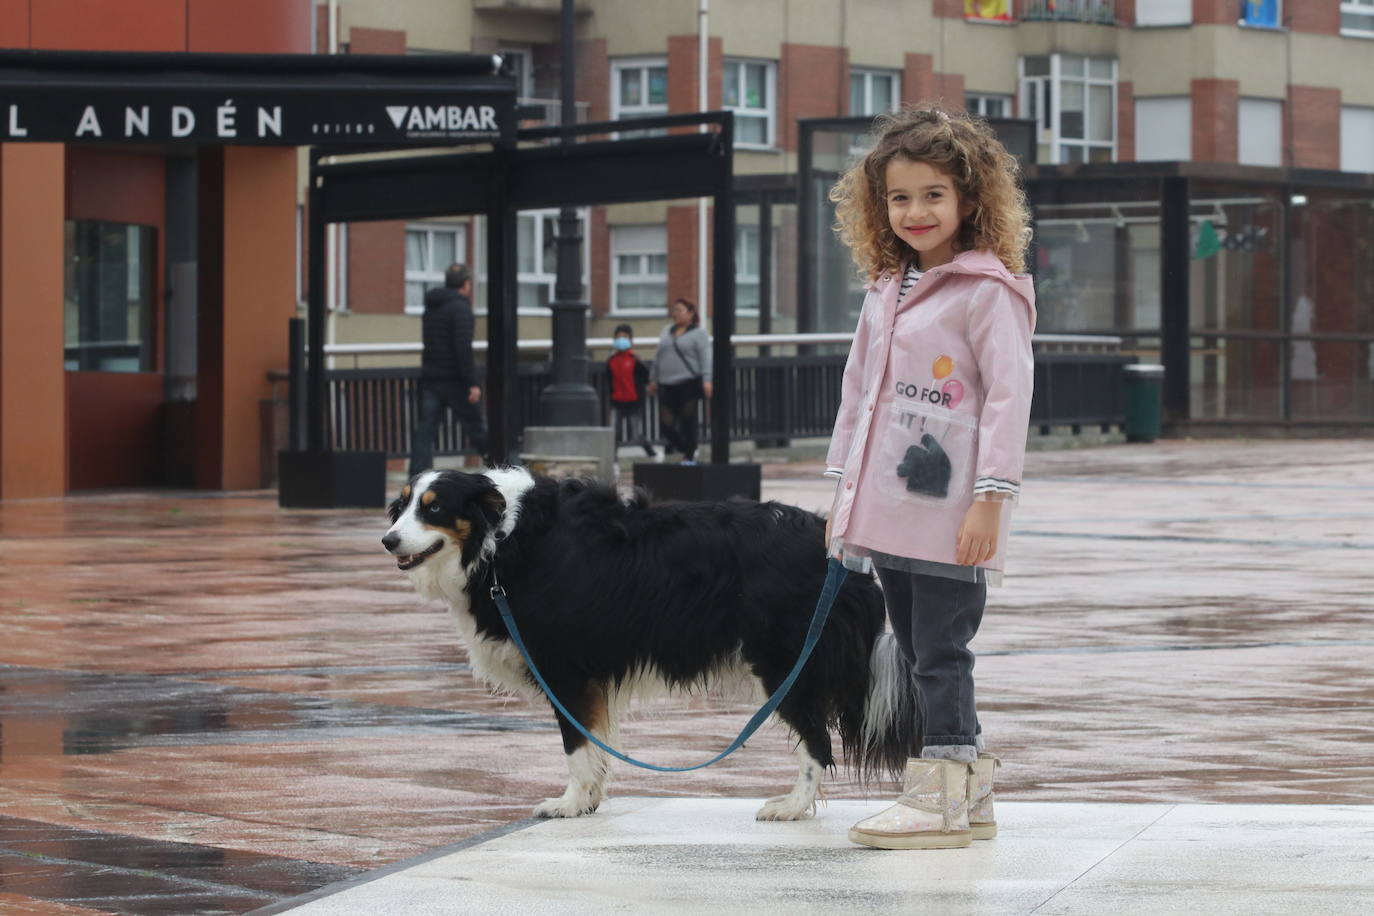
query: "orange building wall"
109, 25
33, 425
259, 296
114, 433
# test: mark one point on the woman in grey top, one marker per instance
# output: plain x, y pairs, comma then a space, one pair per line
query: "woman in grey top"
681, 375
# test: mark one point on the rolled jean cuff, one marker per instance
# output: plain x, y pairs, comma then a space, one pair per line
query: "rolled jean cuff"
963, 753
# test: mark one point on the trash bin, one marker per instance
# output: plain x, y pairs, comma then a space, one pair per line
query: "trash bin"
1144, 401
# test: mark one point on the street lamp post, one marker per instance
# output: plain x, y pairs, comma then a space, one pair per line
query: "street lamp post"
569, 400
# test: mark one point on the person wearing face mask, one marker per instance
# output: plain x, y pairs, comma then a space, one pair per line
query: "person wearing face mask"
629, 377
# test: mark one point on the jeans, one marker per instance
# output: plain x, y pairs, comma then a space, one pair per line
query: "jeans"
677, 416
630, 417
934, 618
434, 397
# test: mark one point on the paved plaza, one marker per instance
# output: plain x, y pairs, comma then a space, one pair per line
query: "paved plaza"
211, 705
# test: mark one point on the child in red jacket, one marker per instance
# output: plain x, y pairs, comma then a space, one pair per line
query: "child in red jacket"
629, 377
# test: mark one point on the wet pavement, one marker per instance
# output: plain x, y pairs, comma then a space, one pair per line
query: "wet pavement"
208, 704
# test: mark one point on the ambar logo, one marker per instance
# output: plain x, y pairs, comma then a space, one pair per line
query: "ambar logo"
443, 117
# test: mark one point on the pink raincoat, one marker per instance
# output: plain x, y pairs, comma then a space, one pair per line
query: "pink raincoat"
936, 407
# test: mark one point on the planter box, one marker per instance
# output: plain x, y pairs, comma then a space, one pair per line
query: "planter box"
331, 480
700, 483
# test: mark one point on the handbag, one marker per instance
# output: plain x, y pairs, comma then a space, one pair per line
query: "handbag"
695, 387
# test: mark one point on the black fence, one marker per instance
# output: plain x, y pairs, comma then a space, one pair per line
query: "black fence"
777, 398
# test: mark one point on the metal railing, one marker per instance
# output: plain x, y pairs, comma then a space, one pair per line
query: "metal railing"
1100, 11
1078, 383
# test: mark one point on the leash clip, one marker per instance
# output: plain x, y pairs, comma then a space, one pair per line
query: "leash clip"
496, 589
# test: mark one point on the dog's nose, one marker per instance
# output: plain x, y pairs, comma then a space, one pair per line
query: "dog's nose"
390, 540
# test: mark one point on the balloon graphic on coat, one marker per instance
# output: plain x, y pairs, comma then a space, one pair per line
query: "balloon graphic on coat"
954, 391
942, 367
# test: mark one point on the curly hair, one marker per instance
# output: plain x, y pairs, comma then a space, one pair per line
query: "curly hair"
964, 148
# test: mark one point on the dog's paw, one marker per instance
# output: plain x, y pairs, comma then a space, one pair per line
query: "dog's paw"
786, 808
565, 807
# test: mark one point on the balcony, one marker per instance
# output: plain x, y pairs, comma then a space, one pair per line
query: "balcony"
1099, 11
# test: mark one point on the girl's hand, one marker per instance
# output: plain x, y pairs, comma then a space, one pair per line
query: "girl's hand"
653, 387
827, 534
977, 540
706, 387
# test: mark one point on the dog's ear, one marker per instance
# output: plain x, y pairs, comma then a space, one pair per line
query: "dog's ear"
493, 507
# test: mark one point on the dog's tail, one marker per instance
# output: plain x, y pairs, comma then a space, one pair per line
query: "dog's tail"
892, 722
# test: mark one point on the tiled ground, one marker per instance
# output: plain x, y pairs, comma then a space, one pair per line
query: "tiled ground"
207, 703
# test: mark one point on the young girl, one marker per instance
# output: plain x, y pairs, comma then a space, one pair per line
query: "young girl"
931, 433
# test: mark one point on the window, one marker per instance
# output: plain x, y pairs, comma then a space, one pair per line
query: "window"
1164, 128
639, 269
1357, 18
749, 93
109, 296
1073, 100
536, 243
1357, 139
872, 92
1261, 132
1164, 12
747, 270
988, 106
430, 249
522, 67
639, 88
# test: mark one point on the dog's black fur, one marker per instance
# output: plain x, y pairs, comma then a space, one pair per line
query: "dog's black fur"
608, 591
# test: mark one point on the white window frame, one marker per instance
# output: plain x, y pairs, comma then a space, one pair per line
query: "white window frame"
1358, 8
741, 230
1052, 84
435, 274
548, 277
976, 103
1164, 15
526, 55
650, 241
770, 110
1357, 138
644, 109
1252, 112
869, 75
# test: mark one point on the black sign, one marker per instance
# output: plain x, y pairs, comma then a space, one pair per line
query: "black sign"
233, 99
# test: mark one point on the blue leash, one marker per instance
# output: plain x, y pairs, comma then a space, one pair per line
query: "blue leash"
834, 578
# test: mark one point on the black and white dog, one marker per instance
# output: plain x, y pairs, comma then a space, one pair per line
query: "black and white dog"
617, 599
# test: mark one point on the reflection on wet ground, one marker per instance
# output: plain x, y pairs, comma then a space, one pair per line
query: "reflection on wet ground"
208, 704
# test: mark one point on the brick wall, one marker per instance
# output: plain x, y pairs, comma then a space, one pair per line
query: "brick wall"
1216, 106
949, 89
1312, 130
1125, 11
1322, 17
376, 250
950, 9
682, 75
918, 79
813, 82
1125, 122
1218, 12
599, 252
594, 78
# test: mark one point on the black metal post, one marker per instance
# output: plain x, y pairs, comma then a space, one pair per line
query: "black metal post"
569, 400
806, 231
316, 390
1175, 312
723, 299
765, 270
295, 385
503, 400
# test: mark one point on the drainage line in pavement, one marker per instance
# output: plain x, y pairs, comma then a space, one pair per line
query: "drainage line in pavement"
1204, 647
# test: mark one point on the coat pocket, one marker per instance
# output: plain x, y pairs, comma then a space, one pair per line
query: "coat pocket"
928, 454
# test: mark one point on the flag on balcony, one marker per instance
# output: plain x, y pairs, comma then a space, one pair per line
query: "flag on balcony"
1263, 13
999, 10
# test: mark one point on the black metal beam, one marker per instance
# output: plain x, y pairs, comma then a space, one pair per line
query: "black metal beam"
723, 300
315, 390
1173, 290
501, 400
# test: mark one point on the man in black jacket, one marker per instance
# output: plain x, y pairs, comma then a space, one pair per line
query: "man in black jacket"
448, 375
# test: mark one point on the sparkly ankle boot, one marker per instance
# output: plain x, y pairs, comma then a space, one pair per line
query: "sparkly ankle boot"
931, 813
981, 820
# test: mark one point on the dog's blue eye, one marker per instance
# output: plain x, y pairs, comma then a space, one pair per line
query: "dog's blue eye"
433, 510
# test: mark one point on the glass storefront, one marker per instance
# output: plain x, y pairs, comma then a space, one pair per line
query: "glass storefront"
109, 296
